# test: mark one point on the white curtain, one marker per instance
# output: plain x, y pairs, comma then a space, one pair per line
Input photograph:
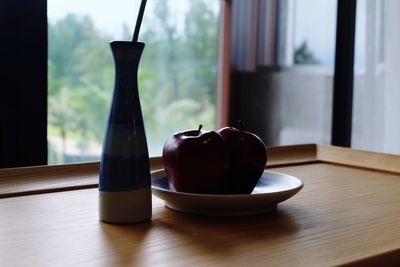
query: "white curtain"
376, 110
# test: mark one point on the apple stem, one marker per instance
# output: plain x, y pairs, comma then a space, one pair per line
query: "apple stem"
200, 126
240, 123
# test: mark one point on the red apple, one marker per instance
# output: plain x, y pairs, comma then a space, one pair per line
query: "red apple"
195, 161
248, 156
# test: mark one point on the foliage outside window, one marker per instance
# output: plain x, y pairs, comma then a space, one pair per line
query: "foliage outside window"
177, 77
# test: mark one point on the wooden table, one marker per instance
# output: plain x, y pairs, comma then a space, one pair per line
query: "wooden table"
347, 214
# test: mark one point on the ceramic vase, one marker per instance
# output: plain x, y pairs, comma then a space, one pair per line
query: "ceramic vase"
125, 183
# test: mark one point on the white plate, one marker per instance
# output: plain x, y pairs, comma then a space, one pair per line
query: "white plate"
272, 188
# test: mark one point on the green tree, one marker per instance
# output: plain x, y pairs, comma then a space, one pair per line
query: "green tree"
202, 36
303, 55
183, 66
176, 75
80, 79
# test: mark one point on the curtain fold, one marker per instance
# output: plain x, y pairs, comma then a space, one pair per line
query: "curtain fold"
262, 33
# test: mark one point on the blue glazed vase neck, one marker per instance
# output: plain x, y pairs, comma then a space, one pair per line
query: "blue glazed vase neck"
125, 162
126, 58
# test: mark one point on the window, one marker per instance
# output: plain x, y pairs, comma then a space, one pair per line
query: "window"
314, 31
24, 100
177, 75
285, 68
376, 81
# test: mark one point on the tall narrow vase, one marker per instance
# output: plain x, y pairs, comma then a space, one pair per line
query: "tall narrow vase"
125, 193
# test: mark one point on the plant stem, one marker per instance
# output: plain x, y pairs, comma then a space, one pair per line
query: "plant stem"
139, 21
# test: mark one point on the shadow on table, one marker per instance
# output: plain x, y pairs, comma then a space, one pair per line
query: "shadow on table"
124, 244
219, 236
216, 238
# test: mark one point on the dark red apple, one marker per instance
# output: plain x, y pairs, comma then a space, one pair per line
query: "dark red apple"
196, 161
248, 156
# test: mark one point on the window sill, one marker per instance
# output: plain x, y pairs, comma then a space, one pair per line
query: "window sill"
56, 178
47, 179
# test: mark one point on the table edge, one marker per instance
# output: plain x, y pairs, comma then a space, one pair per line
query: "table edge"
46, 179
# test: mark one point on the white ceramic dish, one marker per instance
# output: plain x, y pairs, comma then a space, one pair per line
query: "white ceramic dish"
272, 188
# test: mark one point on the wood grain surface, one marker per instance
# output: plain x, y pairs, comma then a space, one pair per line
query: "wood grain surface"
343, 216
358, 158
44, 179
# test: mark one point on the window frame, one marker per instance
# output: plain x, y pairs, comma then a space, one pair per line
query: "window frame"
23, 98
23, 95
342, 112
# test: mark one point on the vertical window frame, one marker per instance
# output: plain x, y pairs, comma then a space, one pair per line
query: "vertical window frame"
342, 112
23, 94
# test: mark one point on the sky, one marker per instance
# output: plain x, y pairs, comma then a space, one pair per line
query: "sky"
110, 15
107, 15
315, 20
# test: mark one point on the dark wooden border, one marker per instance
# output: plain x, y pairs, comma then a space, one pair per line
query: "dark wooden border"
23, 84
224, 65
342, 112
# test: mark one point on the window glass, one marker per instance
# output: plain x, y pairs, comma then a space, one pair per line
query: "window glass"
302, 93
314, 31
376, 106
177, 75
287, 97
